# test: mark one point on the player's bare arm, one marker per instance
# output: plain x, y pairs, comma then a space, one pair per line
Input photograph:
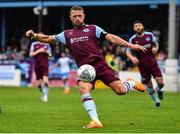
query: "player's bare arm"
114, 39
40, 37
41, 50
155, 48
134, 60
54, 65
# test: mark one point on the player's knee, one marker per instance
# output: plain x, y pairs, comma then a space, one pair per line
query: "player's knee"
84, 87
149, 84
83, 90
119, 91
160, 84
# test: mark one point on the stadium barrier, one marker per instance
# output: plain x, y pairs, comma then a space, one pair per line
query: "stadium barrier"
9, 76
13, 78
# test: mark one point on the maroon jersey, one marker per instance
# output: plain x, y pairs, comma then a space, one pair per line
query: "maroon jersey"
41, 59
146, 59
147, 63
84, 45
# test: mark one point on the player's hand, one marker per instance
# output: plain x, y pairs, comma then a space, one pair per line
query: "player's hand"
30, 34
41, 50
137, 47
135, 61
48, 52
154, 50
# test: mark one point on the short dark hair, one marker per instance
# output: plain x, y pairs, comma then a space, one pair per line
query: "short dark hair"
76, 8
137, 21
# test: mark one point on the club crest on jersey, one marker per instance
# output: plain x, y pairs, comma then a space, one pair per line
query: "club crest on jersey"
148, 39
86, 30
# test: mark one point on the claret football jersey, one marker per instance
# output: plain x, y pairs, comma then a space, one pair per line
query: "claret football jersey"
83, 43
147, 40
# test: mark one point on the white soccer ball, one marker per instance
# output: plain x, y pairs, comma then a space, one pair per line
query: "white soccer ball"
86, 73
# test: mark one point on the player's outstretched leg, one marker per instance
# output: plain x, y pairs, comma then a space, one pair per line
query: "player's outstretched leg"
136, 85
127, 86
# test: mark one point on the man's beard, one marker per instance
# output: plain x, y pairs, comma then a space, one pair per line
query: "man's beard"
139, 32
77, 25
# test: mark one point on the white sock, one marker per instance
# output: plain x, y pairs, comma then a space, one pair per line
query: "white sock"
153, 95
129, 85
45, 90
90, 106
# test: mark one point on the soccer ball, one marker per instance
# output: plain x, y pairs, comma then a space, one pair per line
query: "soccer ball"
86, 73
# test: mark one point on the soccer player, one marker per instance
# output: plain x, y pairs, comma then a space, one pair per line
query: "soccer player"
83, 42
64, 64
41, 52
146, 62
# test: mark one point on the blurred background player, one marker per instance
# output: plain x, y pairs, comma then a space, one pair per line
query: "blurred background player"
83, 42
146, 62
41, 51
64, 64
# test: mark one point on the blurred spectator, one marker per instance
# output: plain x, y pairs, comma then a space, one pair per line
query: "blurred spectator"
157, 34
15, 54
67, 53
24, 43
8, 52
57, 52
161, 57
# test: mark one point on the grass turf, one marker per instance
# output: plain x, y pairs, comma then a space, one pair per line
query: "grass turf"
22, 111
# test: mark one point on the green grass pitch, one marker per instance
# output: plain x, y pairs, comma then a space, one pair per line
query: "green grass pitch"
22, 111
